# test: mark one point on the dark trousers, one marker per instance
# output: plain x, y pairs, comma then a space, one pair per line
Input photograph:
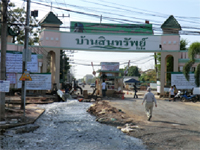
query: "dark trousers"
135, 95
104, 93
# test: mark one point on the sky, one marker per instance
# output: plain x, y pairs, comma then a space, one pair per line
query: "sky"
186, 12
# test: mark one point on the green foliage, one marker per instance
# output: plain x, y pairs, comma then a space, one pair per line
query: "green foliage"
133, 71
149, 76
64, 65
18, 16
186, 69
170, 68
183, 44
121, 74
197, 75
194, 49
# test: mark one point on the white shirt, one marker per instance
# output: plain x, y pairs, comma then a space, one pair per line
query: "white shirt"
171, 91
149, 97
103, 86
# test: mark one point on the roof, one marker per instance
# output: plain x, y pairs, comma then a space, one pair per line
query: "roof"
171, 22
50, 18
132, 80
108, 71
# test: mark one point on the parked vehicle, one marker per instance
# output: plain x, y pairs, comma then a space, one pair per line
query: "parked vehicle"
196, 91
92, 85
178, 96
185, 97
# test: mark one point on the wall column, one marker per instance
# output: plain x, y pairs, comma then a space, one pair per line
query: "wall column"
162, 74
57, 68
176, 56
52, 67
44, 63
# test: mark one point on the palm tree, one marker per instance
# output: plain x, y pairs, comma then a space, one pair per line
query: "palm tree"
194, 50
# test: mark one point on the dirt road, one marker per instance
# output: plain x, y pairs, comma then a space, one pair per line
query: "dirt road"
174, 125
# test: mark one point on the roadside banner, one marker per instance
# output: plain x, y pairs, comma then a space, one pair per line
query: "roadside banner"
11, 77
90, 27
14, 62
178, 79
40, 81
4, 86
110, 66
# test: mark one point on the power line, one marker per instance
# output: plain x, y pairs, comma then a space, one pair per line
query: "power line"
97, 16
114, 19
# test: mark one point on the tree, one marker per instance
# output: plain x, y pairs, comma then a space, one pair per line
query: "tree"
64, 66
170, 68
183, 44
16, 25
194, 50
121, 74
133, 71
89, 81
149, 76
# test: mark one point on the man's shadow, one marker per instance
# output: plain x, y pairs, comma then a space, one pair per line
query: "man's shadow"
168, 122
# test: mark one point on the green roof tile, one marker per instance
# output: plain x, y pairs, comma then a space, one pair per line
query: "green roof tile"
171, 22
50, 18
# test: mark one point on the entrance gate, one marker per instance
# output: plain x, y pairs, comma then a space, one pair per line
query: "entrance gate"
167, 44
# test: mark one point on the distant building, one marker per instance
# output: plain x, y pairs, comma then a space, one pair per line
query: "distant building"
87, 77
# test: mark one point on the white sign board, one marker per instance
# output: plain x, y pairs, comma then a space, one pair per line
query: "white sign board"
110, 66
14, 62
4, 86
109, 42
11, 77
158, 86
180, 81
39, 82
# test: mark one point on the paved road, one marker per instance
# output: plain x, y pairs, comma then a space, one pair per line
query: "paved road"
68, 126
174, 125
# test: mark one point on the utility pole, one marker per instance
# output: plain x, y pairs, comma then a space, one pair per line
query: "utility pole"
3, 55
24, 65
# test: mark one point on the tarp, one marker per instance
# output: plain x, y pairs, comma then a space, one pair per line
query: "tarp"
131, 80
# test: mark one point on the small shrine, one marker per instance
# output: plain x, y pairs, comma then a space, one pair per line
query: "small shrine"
110, 73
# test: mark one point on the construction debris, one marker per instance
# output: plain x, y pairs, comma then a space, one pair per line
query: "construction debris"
108, 114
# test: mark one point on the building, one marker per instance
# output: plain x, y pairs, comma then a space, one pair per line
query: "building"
87, 78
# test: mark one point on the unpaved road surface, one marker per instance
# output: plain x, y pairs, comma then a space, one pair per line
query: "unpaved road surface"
68, 126
174, 125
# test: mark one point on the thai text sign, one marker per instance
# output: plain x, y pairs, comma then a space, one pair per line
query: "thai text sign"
11, 77
109, 66
102, 42
14, 62
179, 80
4, 86
39, 81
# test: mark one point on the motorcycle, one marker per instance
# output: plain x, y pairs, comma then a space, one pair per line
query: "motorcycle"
185, 97
178, 96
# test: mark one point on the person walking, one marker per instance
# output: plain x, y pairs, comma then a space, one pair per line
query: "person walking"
171, 94
149, 99
103, 86
135, 89
175, 91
